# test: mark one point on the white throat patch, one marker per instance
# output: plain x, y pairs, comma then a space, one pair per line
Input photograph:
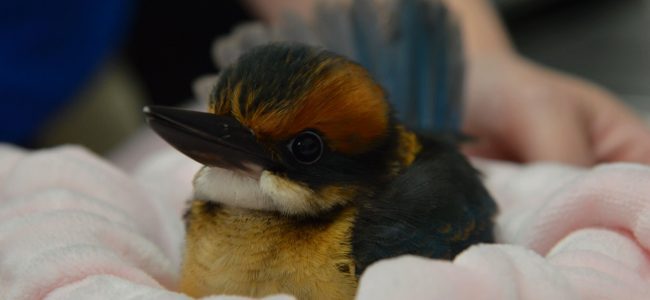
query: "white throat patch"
270, 192
230, 188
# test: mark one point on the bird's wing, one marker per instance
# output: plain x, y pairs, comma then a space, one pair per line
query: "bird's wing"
436, 208
412, 48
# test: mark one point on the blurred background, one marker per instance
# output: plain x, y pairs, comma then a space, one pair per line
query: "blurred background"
102, 61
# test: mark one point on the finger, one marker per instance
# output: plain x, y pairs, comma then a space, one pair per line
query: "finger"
630, 143
486, 148
554, 132
618, 134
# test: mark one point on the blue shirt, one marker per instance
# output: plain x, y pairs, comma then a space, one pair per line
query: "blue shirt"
48, 50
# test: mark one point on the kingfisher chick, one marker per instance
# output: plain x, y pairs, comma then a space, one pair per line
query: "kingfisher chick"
308, 178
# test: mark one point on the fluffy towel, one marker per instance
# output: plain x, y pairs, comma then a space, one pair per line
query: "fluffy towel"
74, 227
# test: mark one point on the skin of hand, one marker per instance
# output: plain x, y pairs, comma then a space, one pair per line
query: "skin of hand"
519, 110
522, 111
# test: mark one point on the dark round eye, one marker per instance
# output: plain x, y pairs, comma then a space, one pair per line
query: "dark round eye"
307, 147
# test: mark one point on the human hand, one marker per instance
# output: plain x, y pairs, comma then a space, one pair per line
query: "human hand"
521, 111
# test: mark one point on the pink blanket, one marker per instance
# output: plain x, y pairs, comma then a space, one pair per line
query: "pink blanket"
74, 227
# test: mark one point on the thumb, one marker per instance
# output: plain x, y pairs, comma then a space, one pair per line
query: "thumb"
552, 132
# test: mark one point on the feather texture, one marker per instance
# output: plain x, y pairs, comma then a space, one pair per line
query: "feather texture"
411, 47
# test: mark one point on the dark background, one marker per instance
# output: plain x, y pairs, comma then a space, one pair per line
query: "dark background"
606, 41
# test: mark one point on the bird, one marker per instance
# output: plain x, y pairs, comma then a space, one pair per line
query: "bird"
309, 177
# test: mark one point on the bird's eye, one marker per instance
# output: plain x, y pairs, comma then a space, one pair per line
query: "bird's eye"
306, 147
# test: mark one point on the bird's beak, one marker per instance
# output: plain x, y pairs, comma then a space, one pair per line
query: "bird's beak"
217, 141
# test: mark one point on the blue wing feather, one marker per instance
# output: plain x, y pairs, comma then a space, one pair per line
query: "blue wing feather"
416, 62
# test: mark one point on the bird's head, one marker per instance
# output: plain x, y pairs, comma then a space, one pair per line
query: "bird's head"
292, 129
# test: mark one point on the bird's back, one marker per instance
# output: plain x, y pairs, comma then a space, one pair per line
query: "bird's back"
435, 207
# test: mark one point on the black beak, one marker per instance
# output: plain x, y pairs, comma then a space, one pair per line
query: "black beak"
212, 140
